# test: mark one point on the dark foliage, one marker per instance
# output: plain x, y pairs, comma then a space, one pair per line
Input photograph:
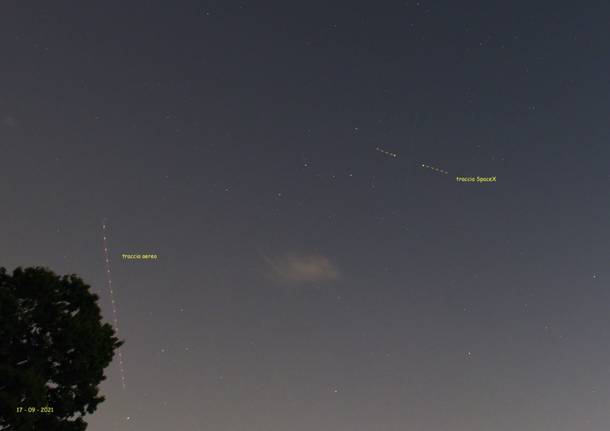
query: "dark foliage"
54, 348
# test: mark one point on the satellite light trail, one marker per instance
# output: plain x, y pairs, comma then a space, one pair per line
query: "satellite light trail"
115, 317
387, 153
434, 169
423, 165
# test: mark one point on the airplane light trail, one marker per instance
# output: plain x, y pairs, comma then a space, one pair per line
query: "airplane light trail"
112, 301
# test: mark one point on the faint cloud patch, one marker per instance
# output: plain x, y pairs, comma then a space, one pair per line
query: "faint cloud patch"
301, 268
9, 121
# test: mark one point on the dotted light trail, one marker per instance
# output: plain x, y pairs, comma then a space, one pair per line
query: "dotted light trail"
387, 153
113, 302
434, 169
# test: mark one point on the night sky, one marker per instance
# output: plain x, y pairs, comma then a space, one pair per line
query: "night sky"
311, 273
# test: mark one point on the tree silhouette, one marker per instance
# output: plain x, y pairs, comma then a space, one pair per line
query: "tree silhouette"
53, 350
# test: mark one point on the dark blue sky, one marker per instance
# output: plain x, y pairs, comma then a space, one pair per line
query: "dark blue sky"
306, 281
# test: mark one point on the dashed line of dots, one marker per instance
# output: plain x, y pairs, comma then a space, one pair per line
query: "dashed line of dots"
387, 153
434, 169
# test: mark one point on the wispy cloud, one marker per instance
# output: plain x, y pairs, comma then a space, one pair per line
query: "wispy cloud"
8, 121
301, 268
